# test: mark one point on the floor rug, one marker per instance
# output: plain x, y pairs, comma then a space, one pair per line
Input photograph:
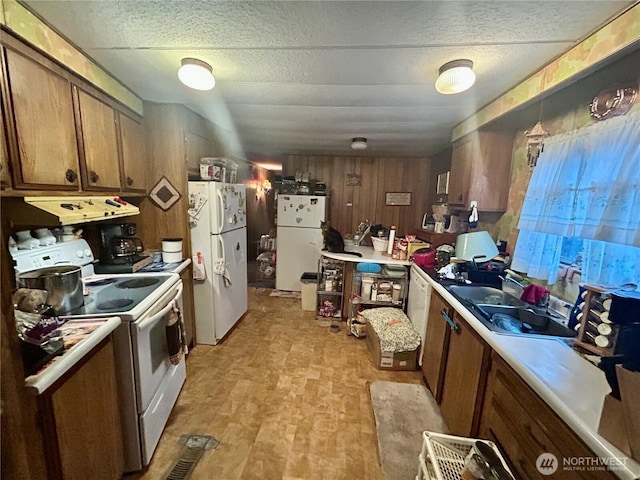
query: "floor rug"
285, 294
402, 412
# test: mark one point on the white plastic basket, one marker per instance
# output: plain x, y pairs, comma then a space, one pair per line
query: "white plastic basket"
446, 454
380, 244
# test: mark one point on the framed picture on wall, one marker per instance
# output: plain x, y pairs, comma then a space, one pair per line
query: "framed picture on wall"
397, 198
443, 184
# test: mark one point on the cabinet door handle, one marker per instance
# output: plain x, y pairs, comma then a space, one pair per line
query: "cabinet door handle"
129, 181
447, 319
93, 176
70, 176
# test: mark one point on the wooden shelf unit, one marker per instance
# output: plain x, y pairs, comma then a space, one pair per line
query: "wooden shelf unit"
592, 308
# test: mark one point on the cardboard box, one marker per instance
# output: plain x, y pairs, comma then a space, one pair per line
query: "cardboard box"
629, 383
389, 360
612, 424
620, 419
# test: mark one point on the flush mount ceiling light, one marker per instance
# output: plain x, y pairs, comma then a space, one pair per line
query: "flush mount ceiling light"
196, 74
359, 143
455, 76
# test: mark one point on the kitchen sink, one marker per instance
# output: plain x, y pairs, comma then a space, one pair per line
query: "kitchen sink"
485, 295
501, 312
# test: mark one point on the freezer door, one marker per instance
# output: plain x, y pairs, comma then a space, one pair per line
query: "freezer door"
298, 251
228, 206
303, 211
199, 200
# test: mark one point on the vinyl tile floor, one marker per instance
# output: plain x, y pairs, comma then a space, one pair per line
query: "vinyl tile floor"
287, 399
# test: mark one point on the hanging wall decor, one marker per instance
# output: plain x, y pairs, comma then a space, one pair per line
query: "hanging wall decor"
164, 194
614, 102
535, 143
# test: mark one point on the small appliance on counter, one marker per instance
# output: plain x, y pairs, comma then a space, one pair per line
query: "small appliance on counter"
478, 250
120, 250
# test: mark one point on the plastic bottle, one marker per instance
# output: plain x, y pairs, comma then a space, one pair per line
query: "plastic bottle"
374, 293
392, 237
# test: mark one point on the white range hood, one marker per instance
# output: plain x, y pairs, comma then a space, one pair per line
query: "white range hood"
83, 209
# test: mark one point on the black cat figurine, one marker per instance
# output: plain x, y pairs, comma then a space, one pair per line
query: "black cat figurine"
333, 241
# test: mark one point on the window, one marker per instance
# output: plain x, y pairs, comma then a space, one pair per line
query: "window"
581, 213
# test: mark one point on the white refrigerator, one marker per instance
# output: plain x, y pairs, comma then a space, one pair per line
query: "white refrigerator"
218, 219
299, 237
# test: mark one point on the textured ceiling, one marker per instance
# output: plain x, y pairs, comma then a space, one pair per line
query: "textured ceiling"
306, 77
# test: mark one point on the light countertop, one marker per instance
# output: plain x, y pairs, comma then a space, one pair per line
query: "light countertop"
572, 387
60, 365
176, 267
369, 255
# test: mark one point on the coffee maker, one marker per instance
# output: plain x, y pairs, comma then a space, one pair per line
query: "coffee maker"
120, 250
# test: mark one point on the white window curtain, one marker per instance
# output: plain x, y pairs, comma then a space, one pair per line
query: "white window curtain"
586, 184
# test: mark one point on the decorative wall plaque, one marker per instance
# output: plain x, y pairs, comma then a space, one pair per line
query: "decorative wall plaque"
354, 180
164, 194
398, 198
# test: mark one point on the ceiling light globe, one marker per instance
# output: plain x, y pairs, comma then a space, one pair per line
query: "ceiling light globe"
359, 143
196, 74
455, 77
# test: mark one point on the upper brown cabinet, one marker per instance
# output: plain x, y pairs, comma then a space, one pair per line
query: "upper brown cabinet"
99, 142
62, 132
5, 178
133, 154
41, 124
480, 170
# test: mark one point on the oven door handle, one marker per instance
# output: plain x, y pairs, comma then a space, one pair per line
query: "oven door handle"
154, 318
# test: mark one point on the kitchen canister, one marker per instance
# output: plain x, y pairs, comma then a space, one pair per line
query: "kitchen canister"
367, 283
171, 250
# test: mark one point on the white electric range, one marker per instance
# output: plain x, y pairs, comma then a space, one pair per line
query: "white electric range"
148, 383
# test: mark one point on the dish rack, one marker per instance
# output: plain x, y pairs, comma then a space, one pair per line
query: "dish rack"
442, 456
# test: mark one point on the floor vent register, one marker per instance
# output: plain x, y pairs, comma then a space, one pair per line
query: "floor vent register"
194, 448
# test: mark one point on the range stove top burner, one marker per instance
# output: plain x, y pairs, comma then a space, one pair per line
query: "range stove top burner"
113, 304
138, 283
100, 283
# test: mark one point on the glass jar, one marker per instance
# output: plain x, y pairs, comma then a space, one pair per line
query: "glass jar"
231, 171
213, 169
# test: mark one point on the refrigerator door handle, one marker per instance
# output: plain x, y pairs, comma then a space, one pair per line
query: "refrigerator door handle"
221, 206
221, 242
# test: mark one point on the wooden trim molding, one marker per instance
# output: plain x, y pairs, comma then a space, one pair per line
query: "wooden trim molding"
610, 40
28, 26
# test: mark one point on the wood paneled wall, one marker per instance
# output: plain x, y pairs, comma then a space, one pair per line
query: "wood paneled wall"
350, 205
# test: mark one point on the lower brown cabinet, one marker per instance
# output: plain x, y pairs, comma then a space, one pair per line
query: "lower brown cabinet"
524, 427
454, 364
464, 379
436, 343
81, 421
